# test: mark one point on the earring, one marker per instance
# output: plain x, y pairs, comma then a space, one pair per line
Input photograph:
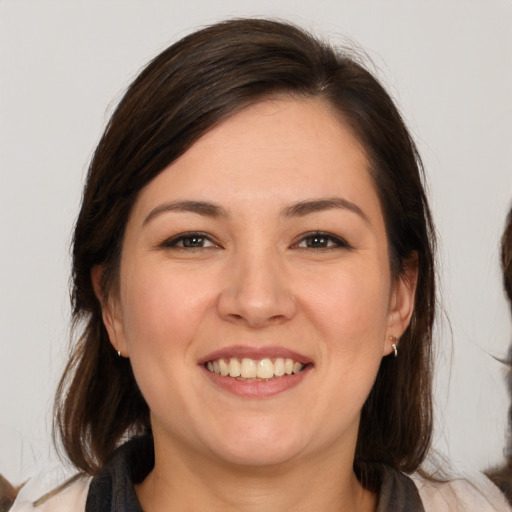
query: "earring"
119, 353
393, 345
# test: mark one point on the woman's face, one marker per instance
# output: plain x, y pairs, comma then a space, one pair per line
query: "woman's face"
261, 251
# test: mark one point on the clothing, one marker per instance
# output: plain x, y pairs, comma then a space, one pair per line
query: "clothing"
474, 494
131, 464
112, 490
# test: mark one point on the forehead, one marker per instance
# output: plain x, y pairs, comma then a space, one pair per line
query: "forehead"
277, 150
292, 127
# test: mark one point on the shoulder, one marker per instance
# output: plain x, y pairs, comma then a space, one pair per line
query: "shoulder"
475, 493
68, 496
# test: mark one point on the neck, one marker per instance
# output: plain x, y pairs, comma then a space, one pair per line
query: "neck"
179, 482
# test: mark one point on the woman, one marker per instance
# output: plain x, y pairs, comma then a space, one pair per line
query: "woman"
254, 284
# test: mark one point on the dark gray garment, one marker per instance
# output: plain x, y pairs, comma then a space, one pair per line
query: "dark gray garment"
112, 488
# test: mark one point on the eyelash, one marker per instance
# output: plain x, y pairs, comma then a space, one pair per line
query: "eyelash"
175, 242
323, 241
332, 241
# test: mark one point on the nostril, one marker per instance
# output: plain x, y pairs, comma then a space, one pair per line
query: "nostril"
276, 319
255, 300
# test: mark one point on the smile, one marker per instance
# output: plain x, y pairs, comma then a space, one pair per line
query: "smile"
246, 369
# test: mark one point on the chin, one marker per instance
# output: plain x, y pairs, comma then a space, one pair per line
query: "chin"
259, 445
261, 454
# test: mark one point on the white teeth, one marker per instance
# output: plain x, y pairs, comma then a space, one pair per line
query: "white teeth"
223, 367
265, 369
248, 368
297, 367
279, 367
234, 367
251, 369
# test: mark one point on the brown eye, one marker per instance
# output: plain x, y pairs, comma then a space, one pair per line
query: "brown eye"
193, 241
316, 241
321, 241
190, 241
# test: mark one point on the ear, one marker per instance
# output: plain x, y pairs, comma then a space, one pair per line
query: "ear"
110, 312
401, 305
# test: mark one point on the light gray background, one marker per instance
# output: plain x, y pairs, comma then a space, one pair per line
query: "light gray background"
63, 65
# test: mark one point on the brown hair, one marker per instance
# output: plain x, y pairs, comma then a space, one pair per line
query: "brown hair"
506, 258
502, 476
181, 94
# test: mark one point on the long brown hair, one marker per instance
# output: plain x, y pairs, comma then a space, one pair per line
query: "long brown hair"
181, 94
502, 476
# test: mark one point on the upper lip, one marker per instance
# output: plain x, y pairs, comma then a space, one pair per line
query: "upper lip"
256, 353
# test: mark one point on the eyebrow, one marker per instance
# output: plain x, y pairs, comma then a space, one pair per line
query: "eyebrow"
300, 209
316, 205
200, 207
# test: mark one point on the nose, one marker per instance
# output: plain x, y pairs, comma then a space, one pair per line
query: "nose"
257, 291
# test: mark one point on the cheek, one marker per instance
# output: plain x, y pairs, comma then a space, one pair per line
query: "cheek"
163, 308
162, 314
349, 304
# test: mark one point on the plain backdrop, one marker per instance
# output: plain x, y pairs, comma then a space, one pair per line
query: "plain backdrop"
63, 67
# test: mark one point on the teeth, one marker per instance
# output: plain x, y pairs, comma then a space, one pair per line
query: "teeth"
223, 367
279, 367
234, 367
251, 369
265, 369
248, 368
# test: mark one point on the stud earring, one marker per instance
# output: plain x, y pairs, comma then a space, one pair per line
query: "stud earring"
393, 345
119, 353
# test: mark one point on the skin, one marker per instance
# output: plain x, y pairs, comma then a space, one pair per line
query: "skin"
257, 277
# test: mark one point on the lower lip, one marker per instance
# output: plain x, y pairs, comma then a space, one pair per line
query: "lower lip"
257, 389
